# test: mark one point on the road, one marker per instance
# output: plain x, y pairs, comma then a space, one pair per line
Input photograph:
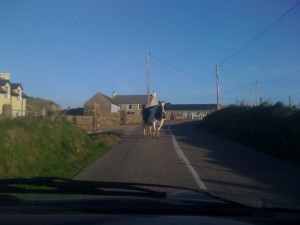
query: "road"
186, 155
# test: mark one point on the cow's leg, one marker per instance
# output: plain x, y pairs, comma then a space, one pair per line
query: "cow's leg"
157, 132
158, 129
144, 126
154, 130
150, 130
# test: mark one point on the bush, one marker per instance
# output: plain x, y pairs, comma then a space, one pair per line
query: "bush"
274, 129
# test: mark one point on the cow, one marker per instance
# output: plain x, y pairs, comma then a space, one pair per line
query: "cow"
154, 117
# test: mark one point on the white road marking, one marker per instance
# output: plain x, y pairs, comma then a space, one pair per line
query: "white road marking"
181, 156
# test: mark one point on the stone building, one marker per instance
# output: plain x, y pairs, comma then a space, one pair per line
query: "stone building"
100, 104
130, 104
133, 104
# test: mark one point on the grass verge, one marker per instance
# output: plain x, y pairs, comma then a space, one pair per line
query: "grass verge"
35, 147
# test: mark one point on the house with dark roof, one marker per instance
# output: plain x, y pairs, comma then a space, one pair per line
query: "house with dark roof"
133, 104
12, 97
190, 111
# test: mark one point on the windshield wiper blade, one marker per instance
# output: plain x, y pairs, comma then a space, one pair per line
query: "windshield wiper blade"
55, 185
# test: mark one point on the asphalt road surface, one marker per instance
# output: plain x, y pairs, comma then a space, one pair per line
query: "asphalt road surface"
185, 155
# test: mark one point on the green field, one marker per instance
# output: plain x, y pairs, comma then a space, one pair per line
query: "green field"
274, 129
36, 147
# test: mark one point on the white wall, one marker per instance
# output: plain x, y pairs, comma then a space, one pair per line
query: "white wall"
115, 108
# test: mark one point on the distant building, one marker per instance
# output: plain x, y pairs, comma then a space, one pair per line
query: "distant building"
100, 104
12, 97
191, 111
133, 104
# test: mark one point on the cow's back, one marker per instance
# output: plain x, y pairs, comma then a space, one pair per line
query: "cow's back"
146, 114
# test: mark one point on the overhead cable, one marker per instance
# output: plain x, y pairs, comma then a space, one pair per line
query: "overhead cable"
259, 35
282, 78
180, 70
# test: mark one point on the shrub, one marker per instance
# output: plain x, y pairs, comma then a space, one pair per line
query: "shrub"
274, 129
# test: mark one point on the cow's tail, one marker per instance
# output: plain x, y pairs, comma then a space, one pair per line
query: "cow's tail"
143, 122
144, 127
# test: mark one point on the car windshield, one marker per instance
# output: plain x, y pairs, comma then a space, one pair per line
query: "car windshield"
199, 95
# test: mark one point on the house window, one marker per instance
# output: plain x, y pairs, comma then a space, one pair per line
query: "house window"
141, 106
19, 95
7, 92
129, 106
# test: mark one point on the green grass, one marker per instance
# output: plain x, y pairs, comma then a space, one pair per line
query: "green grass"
34, 147
274, 129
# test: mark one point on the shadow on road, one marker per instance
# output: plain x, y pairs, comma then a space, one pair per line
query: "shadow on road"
227, 166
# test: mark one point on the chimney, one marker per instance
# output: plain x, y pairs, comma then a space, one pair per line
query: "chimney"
113, 94
4, 76
154, 94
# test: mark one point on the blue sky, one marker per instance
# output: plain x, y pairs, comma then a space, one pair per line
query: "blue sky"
67, 51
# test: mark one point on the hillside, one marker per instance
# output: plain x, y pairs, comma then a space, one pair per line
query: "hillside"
37, 104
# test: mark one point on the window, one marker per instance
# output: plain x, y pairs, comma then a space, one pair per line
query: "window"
141, 106
7, 94
19, 95
129, 106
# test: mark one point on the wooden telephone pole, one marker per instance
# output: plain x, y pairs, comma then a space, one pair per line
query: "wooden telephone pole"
218, 86
291, 102
256, 99
148, 78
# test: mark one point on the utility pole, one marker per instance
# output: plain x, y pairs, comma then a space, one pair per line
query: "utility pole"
218, 86
148, 77
290, 100
256, 101
251, 102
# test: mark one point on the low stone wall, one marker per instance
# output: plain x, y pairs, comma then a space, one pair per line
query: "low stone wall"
94, 124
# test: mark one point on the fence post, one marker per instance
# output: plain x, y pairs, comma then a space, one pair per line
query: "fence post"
123, 116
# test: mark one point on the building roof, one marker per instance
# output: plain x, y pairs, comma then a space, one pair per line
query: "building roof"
131, 99
15, 85
24, 95
3, 82
98, 98
191, 107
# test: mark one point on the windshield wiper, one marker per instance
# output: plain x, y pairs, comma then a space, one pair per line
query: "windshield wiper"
55, 185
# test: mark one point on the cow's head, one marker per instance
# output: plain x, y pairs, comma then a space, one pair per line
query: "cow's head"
160, 112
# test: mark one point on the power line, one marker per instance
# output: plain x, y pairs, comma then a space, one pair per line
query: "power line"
178, 69
282, 78
259, 35
238, 88
238, 84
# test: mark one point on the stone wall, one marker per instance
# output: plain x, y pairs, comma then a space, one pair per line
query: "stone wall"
93, 124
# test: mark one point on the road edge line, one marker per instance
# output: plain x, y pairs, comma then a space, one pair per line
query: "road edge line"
191, 169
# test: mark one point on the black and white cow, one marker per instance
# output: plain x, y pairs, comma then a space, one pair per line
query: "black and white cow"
154, 117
